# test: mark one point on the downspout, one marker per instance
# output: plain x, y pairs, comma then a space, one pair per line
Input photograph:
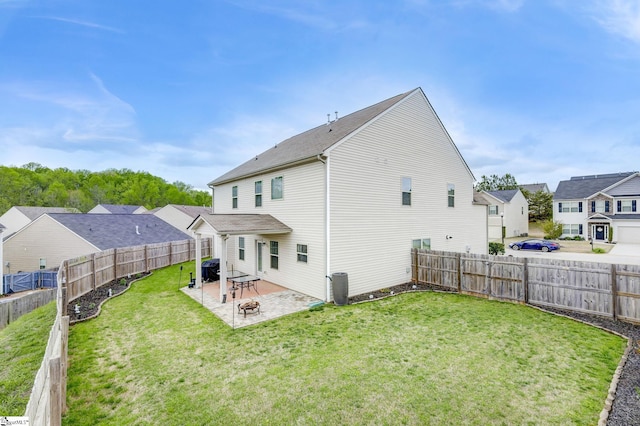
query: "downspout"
211, 199
327, 226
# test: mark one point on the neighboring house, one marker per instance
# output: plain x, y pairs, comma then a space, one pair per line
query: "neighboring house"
18, 217
354, 195
54, 237
509, 209
535, 187
117, 209
601, 207
181, 216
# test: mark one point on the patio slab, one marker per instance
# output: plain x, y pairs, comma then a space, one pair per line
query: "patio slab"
275, 301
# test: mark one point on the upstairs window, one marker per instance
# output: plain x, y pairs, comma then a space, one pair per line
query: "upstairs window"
241, 248
570, 207
273, 252
493, 210
234, 197
626, 206
600, 206
406, 191
302, 252
451, 194
258, 193
276, 188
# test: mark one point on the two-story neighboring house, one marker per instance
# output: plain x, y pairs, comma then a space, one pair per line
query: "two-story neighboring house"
508, 209
602, 207
354, 195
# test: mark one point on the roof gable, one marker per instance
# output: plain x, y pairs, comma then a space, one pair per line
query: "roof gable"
309, 144
33, 212
117, 209
505, 195
119, 230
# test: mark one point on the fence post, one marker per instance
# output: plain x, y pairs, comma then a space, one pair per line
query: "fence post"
614, 290
525, 279
55, 402
115, 264
93, 270
489, 278
146, 258
64, 354
414, 264
459, 256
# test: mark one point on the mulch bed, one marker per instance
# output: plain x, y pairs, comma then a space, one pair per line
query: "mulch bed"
89, 304
625, 410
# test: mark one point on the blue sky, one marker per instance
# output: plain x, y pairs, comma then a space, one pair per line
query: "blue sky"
541, 89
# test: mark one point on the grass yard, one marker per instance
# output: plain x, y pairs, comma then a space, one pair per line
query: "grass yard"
22, 346
155, 356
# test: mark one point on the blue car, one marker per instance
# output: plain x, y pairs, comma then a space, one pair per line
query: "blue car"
544, 245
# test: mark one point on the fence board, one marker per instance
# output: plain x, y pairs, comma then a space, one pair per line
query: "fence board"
588, 287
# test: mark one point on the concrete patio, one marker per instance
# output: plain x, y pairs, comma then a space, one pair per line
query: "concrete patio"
275, 301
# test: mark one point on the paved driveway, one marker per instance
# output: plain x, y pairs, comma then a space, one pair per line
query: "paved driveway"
626, 254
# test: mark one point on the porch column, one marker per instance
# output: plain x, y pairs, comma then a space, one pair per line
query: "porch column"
198, 260
223, 266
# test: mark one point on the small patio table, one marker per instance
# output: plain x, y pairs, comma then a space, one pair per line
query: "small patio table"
245, 281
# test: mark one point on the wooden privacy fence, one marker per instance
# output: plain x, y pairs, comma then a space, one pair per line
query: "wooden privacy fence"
79, 276
86, 273
14, 308
590, 287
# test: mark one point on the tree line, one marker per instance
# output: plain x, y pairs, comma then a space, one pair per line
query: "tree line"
36, 185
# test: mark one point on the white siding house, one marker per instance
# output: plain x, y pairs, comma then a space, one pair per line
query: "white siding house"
508, 209
354, 195
599, 207
18, 217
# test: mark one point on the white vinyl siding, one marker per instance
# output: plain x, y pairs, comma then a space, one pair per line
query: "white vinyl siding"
368, 229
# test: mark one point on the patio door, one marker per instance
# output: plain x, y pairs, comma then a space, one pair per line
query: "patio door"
259, 269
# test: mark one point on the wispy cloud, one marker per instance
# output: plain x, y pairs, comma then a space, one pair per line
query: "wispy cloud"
82, 23
498, 5
620, 17
311, 14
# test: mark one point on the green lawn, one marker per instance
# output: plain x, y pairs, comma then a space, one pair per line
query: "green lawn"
155, 356
22, 346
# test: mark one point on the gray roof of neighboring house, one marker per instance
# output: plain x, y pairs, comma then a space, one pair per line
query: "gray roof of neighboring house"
119, 208
192, 211
35, 212
311, 143
535, 187
505, 195
585, 186
107, 231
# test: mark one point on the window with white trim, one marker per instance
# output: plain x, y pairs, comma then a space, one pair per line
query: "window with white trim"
572, 229
277, 188
301, 250
451, 193
258, 193
234, 197
493, 210
241, 248
273, 252
421, 243
570, 207
406, 191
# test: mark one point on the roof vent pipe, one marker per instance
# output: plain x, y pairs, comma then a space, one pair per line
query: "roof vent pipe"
336, 115
137, 230
328, 119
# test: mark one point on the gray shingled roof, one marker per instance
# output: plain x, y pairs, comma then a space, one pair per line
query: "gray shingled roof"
192, 211
107, 231
534, 187
245, 224
311, 143
119, 208
579, 187
35, 212
504, 195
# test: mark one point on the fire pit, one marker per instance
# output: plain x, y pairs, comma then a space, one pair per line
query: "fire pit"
253, 306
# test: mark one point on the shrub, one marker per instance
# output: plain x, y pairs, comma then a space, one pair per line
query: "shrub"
123, 281
496, 248
598, 250
552, 229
